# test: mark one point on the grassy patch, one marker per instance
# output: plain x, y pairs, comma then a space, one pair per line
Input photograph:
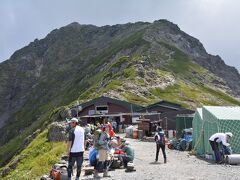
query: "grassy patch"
9, 149
135, 98
173, 93
130, 73
221, 95
133, 40
139, 82
88, 93
163, 73
114, 84
191, 94
120, 61
38, 158
181, 63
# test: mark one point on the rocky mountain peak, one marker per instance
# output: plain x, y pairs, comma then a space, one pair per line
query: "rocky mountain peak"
138, 62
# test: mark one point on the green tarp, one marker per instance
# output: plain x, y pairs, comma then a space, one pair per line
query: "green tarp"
213, 119
183, 122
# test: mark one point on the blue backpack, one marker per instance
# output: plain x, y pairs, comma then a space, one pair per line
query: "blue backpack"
93, 157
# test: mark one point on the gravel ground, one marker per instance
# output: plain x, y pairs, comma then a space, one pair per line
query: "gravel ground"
180, 166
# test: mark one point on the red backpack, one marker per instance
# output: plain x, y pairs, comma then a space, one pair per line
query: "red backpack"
55, 174
59, 172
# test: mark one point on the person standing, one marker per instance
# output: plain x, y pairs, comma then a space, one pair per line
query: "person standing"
103, 149
215, 141
160, 143
97, 146
75, 148
114, 125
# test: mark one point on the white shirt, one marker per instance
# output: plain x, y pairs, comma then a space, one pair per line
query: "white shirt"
78, 141
219, 137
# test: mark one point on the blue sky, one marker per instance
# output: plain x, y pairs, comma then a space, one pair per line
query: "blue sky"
214, 22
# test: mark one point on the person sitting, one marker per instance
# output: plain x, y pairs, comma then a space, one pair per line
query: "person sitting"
215, 141
129, 153
116, 142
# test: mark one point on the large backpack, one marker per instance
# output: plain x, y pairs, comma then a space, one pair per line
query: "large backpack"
93, 157
59, 172
161, 138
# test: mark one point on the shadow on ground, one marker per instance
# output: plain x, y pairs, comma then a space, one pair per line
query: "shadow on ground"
155, 163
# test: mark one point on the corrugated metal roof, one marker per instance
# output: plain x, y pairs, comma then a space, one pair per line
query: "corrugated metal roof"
103, 100
199, 110
225, 112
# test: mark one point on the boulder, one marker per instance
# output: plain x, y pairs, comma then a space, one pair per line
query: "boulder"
5, 172
57, 132
65, 113
64, 158
14, 163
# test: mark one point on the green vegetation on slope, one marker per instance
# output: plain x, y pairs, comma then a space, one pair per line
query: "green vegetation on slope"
37, 158
221, 95
191, 94
120, 61
130, 73
133, 98
134, 40
182, 65
9, 149
114, 84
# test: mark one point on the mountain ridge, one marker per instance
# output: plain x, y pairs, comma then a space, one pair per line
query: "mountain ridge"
139, 62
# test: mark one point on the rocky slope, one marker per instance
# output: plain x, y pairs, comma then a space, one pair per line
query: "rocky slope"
139, 62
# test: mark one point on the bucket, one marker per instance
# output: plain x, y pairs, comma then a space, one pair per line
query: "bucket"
140, 134
209, 156
233, 159
135, 134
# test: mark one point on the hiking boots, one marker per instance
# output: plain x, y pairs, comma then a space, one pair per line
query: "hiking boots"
96, 175
105, 174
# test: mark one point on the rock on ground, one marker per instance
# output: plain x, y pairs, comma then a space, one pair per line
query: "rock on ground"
57, 131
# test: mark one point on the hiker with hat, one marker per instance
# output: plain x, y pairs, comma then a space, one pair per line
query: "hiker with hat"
128, 155
75, 147
218, 139
160, 143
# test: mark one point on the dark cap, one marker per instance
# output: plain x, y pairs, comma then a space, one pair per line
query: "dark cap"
159, 128
123, 140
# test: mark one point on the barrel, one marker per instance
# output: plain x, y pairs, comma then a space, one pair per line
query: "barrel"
233, 159
135, 134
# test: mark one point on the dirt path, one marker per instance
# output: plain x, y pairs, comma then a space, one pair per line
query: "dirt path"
180, 166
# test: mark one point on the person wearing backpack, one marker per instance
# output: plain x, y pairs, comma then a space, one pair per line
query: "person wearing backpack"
97, 146
103, 150
160, 143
